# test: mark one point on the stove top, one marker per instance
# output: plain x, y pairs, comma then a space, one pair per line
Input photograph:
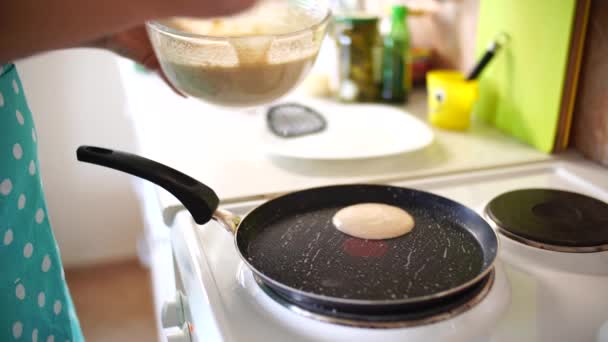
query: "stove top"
536, 295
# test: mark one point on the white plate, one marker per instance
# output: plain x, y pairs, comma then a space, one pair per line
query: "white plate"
354, 132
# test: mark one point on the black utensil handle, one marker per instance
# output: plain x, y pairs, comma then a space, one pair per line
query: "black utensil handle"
200, 200
485, 59
499, 40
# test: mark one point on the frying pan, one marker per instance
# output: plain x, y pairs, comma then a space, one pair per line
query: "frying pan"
290, 244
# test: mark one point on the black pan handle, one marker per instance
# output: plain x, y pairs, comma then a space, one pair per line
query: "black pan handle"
200, 200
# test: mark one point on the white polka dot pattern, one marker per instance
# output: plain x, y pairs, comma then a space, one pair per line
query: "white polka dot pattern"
20, 291
36, 307
8, 237
17, 151
21, 202
46, 263
57, 307
20, 118
41, 299
32, 168
28, 249
39, 215
17, 329
6, 187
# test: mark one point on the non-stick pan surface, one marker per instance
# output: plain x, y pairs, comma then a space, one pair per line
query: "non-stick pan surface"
291, 244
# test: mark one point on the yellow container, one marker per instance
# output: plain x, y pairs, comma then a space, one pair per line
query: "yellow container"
450, 99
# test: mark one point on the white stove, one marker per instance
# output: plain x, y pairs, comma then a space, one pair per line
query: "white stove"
536, 294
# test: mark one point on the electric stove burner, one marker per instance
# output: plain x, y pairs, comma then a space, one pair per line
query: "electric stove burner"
420, 316
552, 219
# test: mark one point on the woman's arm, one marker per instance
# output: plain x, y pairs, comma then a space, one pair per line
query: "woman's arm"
28, 27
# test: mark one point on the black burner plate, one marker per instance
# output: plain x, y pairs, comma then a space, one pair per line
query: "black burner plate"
551, 217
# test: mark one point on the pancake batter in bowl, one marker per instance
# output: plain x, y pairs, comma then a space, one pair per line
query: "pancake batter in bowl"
246, 60
245, 84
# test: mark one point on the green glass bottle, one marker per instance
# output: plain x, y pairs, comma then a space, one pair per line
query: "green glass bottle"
395, 58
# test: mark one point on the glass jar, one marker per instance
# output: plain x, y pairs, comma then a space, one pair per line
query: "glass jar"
359, 57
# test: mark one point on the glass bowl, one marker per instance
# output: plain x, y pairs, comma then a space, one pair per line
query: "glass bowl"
246, 60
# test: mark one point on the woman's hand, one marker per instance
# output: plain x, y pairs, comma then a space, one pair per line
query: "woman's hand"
135, 45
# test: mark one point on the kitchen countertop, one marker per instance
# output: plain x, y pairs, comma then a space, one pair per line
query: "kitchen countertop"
221, 147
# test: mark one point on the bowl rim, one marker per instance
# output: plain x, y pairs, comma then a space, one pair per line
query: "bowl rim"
164, 29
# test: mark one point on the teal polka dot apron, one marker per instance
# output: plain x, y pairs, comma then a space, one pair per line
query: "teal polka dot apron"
35, 304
